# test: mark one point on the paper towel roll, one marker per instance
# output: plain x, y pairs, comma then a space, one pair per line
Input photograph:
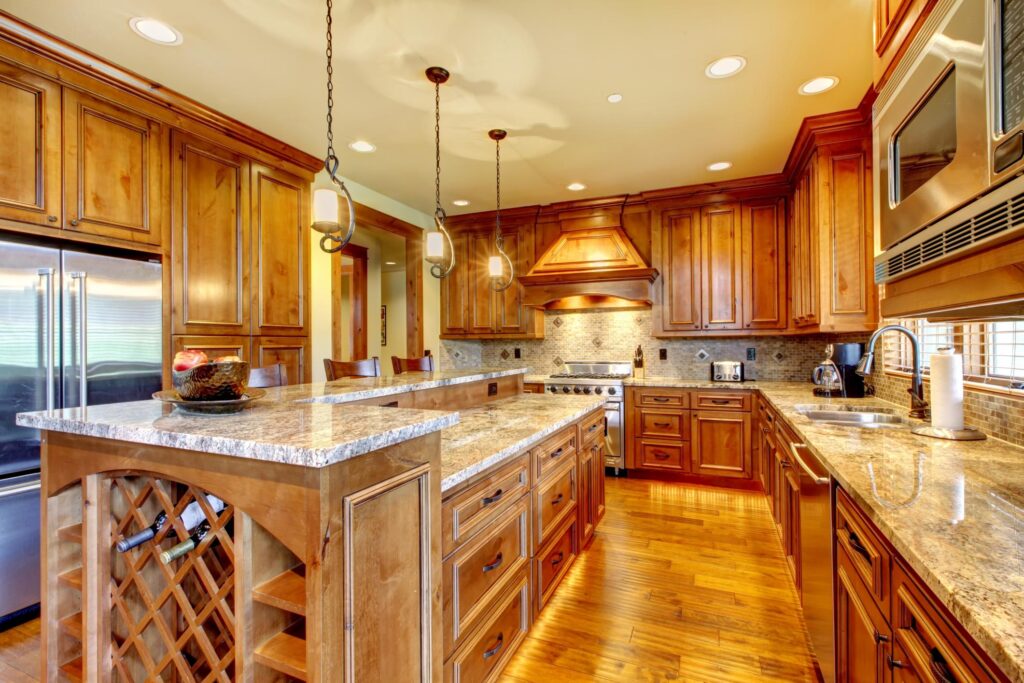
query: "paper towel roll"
947, 371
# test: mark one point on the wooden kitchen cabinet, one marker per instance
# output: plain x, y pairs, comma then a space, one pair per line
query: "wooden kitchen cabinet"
280, 252
455, 291
896, 23
862, 635
210, 235
217, 346
722, 279
681, 271
720, 444
763, 242
115, 170
292, 351
30, 148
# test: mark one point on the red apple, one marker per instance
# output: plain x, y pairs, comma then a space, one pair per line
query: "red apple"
227, 359
186, 360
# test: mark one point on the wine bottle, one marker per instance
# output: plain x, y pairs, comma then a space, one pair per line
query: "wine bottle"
191, 517
186, 546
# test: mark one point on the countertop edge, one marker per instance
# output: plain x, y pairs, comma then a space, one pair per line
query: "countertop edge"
358, 394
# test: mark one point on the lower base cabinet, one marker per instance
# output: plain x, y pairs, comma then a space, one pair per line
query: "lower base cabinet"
862, 634
485, 654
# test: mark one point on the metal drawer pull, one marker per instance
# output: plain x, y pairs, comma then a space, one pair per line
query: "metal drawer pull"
389, 404
557, 559
721, 401
495, 564
800, 461
593, 427
879, 638
894, 663
493, 498
662, 424
660, 399
557, 499
496, 648
859, 547
661, 455
557, 453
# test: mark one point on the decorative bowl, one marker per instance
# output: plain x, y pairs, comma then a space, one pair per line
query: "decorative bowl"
212, 381
225, 407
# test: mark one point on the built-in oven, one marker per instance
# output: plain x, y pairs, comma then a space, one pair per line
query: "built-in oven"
615, 454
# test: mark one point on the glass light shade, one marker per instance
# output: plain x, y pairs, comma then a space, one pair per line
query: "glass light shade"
435, 246
325, 210
495, 266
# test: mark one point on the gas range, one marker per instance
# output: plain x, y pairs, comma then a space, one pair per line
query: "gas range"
590, 378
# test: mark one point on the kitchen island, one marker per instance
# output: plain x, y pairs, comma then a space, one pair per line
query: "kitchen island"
324, 562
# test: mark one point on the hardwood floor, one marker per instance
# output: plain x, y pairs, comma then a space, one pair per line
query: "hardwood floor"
681, 583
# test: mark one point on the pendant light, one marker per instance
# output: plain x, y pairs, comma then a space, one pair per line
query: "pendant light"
496, 263
325, 200
437, 238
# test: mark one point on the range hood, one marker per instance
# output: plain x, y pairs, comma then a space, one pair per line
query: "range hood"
591, 262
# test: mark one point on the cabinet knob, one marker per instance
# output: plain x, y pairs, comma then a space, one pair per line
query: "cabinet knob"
894, 663
74, 222
52, 219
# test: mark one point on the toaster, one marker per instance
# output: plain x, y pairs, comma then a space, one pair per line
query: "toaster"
726, 371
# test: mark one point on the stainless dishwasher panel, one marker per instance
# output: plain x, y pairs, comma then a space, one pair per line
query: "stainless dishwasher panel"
19, 543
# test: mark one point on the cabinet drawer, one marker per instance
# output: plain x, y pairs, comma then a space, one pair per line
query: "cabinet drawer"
722, 400
466, 512
868, 553
488, 649
664, 424
658, 455
550, 455
676, 398
592, 427
553, 561
928, 644
554, 500
481, 569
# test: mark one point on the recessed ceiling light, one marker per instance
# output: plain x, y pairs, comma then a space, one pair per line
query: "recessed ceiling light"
818, 85
461, 202
615, 98
576, 187
719, 166
155, 31
362, 146
390, 263
725, 67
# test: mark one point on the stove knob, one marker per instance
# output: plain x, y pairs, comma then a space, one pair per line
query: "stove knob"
576, 390
586, 390
599, 391
612, 391
553, 389
565, 390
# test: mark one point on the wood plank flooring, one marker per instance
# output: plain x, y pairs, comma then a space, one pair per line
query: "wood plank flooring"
682, 583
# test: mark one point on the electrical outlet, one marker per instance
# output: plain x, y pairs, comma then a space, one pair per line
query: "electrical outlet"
662, 354
751, 353
516, 352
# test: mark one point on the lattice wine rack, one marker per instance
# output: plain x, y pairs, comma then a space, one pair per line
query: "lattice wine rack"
178, 622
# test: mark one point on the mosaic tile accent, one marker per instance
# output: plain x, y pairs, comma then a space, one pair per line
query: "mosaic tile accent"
557, 322
703, 355
505, 355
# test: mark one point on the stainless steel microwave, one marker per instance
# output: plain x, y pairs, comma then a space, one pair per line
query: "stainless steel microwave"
948, 133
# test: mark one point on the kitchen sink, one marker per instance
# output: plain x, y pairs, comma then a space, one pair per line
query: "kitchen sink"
852, 415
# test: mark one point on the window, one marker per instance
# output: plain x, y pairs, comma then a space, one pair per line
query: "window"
993, 352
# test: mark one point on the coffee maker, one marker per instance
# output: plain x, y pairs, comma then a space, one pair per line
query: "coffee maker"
844, 358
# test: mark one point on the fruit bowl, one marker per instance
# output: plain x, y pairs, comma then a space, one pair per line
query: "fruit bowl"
223, 381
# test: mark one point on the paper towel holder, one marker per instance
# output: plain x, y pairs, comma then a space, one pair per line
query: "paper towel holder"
965, 434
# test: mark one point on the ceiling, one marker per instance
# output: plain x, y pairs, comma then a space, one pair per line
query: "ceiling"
540, 69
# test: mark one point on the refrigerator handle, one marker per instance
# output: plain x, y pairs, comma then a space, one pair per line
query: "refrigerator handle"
83, 344
18, 489
47, 331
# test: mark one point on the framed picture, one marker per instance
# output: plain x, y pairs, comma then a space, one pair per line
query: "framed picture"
384, 325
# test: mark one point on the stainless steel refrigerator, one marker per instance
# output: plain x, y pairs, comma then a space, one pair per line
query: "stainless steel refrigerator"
71, 325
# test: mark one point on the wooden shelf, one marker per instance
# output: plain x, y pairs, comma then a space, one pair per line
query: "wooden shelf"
285, 653
72, 577
285, 591
73, 670
71, 533
72, 625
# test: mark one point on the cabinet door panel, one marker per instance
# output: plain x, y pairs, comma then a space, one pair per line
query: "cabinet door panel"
280, 241
292, 351
210, 239
764, 265
512, 318
681, 270
114, 168
29, 148
455, 290
861, 632
850, 203
481, 296
722, 259
721, 444
214, 346
587, 484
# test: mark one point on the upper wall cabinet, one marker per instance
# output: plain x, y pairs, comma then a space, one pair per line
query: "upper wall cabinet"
896, 22
114, 170
455, 291
30, 139
722, 268
209, 239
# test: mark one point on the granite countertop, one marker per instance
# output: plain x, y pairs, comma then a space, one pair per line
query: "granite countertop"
305, 434
674, 382
361, 388
502, 429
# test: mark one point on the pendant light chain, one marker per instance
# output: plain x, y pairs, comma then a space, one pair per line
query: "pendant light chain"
498, 239
438, 269
438, 210
497, 284
331, 161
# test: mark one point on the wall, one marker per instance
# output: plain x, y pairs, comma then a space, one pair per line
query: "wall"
614, 335
320, 272
393, 296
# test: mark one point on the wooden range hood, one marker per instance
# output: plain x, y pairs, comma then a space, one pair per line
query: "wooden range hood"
591, 259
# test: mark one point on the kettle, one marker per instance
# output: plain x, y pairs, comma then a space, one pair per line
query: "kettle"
827, 376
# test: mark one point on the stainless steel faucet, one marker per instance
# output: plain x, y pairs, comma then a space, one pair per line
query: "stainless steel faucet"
918, 405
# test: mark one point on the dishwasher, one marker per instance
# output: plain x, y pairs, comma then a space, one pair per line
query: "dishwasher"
817, 553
